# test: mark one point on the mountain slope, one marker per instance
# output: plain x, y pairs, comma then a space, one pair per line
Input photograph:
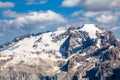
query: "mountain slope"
87, 52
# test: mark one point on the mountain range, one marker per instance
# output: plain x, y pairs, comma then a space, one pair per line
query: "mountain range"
89, 52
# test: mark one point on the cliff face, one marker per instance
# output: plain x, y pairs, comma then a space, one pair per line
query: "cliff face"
84, 53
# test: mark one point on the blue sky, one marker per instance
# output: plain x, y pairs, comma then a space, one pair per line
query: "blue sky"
19, 17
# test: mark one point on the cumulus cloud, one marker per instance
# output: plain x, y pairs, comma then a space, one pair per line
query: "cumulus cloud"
93, 14
115, 28
102, 5
99, 16
4, 25
30, 2
102, 17
106, 18
70, 3
95, 5
1, 34
33, 20
6, 4
77, 13
12, 14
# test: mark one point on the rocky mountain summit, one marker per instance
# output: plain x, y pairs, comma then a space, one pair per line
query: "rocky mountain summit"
83, 53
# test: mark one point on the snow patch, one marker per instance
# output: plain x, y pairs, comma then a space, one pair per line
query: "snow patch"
91, 29
98, 43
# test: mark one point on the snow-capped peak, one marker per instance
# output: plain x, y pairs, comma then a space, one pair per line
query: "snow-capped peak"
91, 29
49, 41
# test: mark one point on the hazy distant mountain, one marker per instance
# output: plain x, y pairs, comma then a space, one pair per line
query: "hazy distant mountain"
84, 53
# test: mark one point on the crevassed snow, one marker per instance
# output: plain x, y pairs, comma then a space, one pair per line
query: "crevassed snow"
24, 50
5, 58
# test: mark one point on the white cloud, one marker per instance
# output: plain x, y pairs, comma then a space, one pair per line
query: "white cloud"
101, 17
106, 18
13, 14
6, 4
115, 28
1, 34
95, 5
77, 13
70, 3
102, 5
30, 2
4, 25
45, 16
42, 19
91, 14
